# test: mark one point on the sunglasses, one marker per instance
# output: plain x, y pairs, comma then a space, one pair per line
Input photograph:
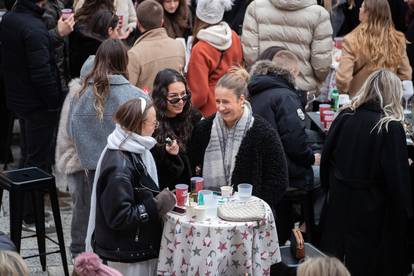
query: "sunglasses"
176, 100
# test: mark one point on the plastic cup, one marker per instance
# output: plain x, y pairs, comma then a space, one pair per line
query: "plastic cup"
339, 42
343, 100
203, 196
226, 191
245, 191
66, 13
181, 192
322, 108
197, 183
211, 204
329, 118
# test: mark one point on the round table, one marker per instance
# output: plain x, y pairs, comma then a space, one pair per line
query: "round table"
218, 247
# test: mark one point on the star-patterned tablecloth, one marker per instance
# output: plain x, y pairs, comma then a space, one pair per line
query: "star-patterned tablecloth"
218, 247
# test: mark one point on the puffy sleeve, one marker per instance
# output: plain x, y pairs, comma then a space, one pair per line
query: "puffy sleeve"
321, 47
250, 35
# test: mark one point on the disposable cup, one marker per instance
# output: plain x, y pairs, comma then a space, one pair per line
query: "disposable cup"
181, 192
244, 191
322, 108
339, 42
66, 13
203, 196
329, 118
226, 191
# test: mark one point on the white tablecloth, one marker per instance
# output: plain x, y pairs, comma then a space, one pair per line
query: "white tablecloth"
217, 247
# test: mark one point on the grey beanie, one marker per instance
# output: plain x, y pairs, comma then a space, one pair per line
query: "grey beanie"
212, 11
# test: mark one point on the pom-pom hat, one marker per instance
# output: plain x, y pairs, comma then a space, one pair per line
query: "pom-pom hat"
212, 11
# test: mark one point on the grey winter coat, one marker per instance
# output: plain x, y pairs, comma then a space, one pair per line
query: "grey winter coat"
88, 132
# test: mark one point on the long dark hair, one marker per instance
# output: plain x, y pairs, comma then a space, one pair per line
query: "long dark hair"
111, 59
180, 18
182, 130
100, 23
90, 7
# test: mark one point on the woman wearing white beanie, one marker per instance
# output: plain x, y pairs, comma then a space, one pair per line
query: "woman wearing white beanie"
215, 49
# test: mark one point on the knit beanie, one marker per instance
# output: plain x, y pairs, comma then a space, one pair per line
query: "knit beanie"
89, 264
212, 11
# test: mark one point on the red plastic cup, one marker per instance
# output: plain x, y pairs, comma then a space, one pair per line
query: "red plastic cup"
322, 108
66, 13
329, 117
181, 193
339, 42
197, 183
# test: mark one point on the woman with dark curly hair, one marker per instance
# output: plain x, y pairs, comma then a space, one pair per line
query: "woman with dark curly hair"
176, 119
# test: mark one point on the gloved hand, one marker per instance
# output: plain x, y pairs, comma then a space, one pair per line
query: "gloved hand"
165, 201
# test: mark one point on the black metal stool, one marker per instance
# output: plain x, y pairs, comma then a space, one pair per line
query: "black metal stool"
35, 181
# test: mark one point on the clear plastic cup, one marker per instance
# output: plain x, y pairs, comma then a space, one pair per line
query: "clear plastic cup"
203, 196
244, 191
226, 191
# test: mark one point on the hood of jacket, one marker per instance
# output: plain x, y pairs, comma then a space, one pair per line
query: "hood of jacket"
292, 5
219, 36
266, 75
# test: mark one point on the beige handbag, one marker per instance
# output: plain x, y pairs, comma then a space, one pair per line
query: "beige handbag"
251, 210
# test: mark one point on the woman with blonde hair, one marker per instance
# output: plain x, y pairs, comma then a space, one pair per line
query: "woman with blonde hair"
322, 266
11, 264
364, 170
373, 45
236, 146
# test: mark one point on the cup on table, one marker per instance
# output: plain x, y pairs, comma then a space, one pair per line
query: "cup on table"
66, 13
244, 191
210, 202
226, 191
181, 192
203, 196
197, 183
343, 100
322, 108
329, 116
200, 213
339, 42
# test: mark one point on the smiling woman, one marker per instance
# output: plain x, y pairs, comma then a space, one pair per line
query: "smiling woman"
234, 146
176, 121
177, 18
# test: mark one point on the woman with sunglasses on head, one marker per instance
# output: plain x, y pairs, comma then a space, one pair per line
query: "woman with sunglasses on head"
127, 204
176, 117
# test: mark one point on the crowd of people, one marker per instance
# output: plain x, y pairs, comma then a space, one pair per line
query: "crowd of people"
124, 99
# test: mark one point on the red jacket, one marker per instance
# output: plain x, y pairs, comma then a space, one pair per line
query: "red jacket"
205, 69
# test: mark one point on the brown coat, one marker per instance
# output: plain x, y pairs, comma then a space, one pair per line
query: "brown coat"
152, 52
353, 69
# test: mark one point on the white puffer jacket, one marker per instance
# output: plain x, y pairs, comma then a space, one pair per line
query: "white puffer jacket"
301, 26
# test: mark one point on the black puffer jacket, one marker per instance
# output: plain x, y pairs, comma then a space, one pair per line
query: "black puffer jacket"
273, 97
30, 72
120, 234
260, 160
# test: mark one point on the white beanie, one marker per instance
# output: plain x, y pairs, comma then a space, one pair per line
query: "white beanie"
212, 11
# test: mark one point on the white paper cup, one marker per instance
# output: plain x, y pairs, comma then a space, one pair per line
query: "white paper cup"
200, 213
343, 99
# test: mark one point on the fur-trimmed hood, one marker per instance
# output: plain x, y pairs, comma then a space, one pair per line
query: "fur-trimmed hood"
267, 67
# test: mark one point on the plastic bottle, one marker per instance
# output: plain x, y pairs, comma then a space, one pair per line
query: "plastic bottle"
335, 99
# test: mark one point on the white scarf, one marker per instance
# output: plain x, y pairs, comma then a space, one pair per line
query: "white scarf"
222, 149
119, 139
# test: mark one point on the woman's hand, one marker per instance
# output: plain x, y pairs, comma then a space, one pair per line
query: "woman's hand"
173, 149
317, 159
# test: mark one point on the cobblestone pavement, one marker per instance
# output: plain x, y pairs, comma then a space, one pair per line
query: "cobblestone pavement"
29, 246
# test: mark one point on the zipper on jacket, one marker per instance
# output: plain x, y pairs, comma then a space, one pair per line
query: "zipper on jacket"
137, 235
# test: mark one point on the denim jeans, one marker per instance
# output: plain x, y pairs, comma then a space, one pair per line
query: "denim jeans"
80, 187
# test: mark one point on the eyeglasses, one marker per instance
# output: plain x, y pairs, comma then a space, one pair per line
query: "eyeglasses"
155, 123
176, 100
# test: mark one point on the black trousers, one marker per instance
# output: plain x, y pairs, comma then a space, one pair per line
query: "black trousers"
39, 141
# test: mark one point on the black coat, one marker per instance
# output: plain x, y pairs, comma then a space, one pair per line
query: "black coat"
118, 223
81, 46
260, 160
274, 98
367, 178
30, 72
172, 169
